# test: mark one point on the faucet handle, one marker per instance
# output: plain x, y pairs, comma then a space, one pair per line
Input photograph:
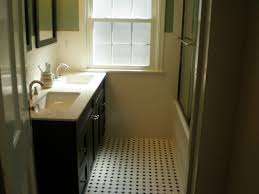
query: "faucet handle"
35, 91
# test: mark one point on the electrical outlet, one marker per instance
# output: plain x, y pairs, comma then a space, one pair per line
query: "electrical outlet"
66, 43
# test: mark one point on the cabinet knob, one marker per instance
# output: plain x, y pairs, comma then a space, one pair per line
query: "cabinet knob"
96, 117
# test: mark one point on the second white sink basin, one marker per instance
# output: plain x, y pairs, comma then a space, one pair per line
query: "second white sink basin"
78, 79
57, 101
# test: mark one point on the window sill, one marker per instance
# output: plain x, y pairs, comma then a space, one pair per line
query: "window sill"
126, 71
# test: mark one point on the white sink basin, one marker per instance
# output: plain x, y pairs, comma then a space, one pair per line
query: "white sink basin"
56, 101
78, 79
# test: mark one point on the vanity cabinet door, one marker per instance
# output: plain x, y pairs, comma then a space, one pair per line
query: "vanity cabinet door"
83, 179
102, 117
96, 117
82, 148
89, 144
85, 153
99, 118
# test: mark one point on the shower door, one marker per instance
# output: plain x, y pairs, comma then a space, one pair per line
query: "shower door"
15, 129
188, 56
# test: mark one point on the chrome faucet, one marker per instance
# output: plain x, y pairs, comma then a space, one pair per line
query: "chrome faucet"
58, 74
35, 88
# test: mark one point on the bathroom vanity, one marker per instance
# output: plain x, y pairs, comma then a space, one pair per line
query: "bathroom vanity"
68, 126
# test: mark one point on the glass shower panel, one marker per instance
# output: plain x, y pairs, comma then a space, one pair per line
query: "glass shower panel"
15, 127
19, 71
7, 77
186, 79
188, 50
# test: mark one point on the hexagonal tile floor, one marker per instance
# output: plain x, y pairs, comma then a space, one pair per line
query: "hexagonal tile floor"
135, 165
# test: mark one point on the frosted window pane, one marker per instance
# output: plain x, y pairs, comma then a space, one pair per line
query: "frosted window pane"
121, 54
122, 32
140, 55
141, 33
102, 32
102, 8
142, 8
102, 54
122, 8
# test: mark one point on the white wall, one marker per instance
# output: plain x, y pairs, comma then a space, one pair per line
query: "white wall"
244, 166
182, 143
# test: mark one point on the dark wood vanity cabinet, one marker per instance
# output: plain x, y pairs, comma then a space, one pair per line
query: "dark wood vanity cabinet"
65, 150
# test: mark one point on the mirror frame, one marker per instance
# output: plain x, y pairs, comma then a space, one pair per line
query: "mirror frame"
41, 43
28, 24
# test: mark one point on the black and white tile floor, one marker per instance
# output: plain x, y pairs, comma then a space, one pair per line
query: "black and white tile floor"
136, 166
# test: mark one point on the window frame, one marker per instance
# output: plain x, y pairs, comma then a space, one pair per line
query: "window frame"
156, 41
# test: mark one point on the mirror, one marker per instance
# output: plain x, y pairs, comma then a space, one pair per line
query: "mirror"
45, 22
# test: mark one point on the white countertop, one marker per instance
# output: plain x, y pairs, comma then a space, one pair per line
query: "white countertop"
73, 113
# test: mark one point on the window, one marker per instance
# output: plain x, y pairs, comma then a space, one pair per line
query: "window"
124, 34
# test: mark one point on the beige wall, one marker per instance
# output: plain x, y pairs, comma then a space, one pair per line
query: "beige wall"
37, 57
244, 166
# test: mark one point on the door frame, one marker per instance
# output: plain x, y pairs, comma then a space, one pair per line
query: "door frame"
198, 99
2, 185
